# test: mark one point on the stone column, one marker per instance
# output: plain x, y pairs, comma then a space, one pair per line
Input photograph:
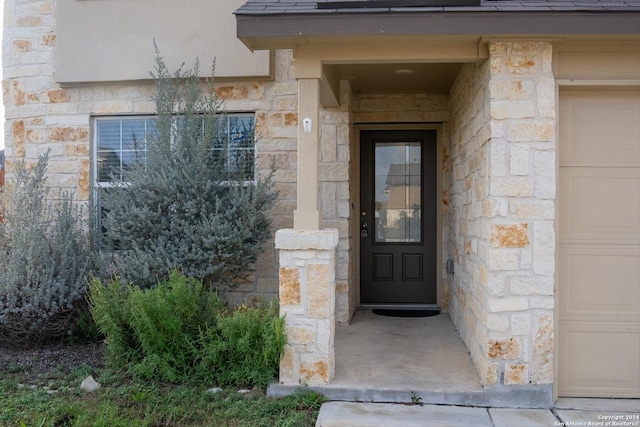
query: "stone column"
307, 300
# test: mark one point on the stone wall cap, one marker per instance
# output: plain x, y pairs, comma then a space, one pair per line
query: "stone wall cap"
290, 239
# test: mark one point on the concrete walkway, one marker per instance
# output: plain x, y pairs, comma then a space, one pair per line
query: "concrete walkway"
567, 412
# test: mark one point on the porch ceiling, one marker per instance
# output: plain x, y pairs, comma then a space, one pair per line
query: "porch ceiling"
397, 77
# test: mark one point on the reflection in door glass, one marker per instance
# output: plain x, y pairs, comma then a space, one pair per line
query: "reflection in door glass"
398, 204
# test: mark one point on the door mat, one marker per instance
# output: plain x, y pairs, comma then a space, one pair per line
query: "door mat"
405, 313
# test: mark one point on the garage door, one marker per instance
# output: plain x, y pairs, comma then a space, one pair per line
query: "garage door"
599, 264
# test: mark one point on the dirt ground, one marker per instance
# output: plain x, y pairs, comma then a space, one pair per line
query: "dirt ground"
43, 359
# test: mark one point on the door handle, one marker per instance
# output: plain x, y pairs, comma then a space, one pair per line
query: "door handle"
364, 230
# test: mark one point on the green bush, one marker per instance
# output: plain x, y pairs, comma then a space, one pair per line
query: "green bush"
46, 256
248, 342
180, 332
188, 205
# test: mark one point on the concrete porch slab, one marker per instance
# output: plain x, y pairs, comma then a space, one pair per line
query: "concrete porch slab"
410, 360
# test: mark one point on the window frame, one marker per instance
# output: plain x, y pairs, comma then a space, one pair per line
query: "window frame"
97, 185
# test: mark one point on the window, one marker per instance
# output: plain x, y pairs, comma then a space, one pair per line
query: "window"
119, 142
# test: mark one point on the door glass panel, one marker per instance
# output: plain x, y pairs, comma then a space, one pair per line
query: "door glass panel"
398, 204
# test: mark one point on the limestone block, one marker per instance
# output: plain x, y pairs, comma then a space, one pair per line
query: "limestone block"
306, 239
301, 335
77, 150
496, 283
58, 95
542, 302
493, 206
328, 202
63, 121
511, 88
496, 65
325, 335
314, 370
288, 366
498, 322
531, 131
282, 103
501, 110
546, 55
289, 286
344, 209
519, 159
510, 235
84, 180
328, 143
334, 172
512, 187
62, 180
521, 324
232, 92
546, 97
544, 245
498, 158
531, 285
21, 45
497, 305
542, 366
516, 374
544, 187
491, 376
113, 107
525, 64
503, 348
65, 108
532, 209
18, 133
319, 283
504, 259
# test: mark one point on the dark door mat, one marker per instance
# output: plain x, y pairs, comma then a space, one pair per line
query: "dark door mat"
405, 313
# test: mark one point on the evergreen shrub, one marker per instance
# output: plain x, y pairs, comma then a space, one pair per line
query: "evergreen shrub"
46, 256
187, 205
179, 331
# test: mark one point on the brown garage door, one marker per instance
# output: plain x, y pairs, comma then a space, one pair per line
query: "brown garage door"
599, 268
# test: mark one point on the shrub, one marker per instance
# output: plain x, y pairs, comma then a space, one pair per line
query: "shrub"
247, 343
183, 206
179, 331
45, 258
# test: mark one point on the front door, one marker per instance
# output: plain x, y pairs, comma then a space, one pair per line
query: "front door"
398, 217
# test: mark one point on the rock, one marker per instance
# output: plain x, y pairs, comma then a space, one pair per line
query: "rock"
244, 391
214, 390
89, 385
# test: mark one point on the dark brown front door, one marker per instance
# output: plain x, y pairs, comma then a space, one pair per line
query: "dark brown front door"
398, 217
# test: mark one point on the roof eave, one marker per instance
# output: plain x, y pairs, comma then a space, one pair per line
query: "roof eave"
285, 31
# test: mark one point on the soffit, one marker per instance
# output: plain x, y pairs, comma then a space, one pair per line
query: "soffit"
398, 78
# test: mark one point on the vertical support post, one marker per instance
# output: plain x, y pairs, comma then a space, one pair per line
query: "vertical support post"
307, 214
307, 300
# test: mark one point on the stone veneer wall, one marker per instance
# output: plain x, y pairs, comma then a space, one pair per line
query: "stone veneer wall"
41, 115
337, 195
499, 212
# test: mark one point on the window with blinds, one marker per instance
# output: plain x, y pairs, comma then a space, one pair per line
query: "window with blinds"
121, 141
